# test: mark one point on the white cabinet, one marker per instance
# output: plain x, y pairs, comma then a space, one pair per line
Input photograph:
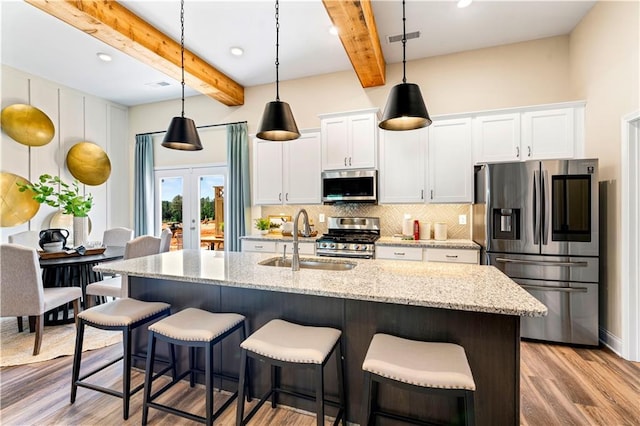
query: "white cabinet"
497, 138
532, 133
399, 253
452, 255
287, 172
402, 166
450, 162
349, 140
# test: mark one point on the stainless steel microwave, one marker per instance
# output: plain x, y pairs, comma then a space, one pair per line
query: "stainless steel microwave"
350, 186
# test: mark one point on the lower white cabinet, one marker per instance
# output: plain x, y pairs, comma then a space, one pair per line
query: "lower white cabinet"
399, 253
452, 255
277, 247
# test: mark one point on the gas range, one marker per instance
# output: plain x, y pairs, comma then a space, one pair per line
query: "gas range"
349, 237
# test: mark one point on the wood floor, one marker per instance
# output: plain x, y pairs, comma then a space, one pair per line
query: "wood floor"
560, 385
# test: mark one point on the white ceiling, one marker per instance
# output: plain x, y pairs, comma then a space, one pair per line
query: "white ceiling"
37, 43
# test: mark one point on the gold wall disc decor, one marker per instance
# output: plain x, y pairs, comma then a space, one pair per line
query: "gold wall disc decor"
27, 125
88, 163
16, 207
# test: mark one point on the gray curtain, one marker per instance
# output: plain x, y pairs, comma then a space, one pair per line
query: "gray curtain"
238, 189
143, 201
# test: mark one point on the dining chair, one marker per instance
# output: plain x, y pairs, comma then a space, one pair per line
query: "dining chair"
165, 240
117, 237
26, 238
22, 292
144, 245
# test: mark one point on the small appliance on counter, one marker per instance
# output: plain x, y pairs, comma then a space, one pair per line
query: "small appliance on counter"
349, 237
54, 239
440, 231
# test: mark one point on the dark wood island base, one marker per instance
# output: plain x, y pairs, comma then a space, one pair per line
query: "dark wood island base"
491, 342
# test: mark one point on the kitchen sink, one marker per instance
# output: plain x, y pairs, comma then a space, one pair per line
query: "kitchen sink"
326, 265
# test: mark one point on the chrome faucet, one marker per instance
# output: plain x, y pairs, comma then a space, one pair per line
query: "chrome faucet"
295, 261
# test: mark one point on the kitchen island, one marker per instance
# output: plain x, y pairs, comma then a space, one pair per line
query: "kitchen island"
475, 306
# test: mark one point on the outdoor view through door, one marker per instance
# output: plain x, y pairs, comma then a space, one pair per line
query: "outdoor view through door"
190, 202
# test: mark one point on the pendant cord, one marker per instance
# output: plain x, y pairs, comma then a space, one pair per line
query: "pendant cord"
182, 49
404, 46
277, 50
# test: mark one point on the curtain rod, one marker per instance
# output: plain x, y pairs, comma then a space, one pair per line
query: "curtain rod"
197, 127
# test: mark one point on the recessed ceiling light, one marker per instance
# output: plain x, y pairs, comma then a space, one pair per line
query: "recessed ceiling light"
464, 3
104, 56
236, 51
333, 30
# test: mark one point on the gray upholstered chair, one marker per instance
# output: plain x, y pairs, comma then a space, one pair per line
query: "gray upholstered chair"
21, 290
117, 237
116, 286
26, 238
165, 240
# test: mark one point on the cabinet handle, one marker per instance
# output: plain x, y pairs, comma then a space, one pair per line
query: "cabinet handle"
432, 194
286, 196
451, 256
422, 194
398, 253
280, 196
258, 247
529, 151
345, 161
349, 160
517, 152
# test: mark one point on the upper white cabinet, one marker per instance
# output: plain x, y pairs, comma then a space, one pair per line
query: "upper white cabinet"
402, 166
287, 172
450, 162
349, 140
532, 133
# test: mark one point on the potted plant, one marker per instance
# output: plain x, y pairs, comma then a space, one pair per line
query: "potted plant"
263, 224
67, 198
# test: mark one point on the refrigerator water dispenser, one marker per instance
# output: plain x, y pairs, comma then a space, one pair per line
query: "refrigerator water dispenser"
506, 224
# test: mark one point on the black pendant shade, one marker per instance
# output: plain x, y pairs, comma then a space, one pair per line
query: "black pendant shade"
182, 134
405, 109
278, 123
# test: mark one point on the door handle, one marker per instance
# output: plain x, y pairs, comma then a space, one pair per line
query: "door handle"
560, 289
543, 209
536, 207
542, 262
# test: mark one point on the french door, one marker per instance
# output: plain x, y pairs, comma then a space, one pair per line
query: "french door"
190, 201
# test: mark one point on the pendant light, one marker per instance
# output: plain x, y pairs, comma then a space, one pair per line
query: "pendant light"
182, 133
278, 123
405, 108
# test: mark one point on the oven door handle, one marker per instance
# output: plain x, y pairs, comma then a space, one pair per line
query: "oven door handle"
560, 289
542, 262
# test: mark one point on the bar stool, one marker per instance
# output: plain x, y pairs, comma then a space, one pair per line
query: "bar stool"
284, 344
428, 367
193, 328
123, 315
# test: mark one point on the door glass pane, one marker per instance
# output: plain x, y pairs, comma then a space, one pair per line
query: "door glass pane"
211, 211
171, 194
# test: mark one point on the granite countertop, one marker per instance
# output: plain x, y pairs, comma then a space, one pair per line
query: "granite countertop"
382, 241
451, 244
439, 285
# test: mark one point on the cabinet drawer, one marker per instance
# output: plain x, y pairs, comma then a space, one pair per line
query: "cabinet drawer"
303, 248
260, 246
399, 253
452, 255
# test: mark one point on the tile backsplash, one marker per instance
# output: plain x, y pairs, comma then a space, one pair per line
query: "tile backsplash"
391, 215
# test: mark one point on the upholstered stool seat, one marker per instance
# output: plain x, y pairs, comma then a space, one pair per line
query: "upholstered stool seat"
281, 343
109, 287
123, 315
193, 328
420, 366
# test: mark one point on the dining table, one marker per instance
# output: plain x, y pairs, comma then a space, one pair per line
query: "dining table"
72, 269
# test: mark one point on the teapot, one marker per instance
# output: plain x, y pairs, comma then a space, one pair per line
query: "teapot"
53, 235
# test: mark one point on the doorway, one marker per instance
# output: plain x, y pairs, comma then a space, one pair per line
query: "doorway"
630, 295
190, 202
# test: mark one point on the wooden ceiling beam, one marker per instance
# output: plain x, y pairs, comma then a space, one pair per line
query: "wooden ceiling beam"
118, 27
359, 36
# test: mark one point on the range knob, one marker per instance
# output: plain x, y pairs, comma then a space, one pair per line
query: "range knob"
332, 245
345, 246
357, 247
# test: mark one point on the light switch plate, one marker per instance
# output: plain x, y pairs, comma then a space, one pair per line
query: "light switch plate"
321, 218
462, 219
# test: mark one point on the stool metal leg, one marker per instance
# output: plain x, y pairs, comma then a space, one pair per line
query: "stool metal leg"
365, 404
209, 382
275, 384
470, 414
319, 395
192, 366
151, 353
241, 388
244, 333
76, 359
126, 373
341, 391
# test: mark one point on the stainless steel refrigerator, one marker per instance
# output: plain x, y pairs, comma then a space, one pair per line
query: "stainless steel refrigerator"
537, 222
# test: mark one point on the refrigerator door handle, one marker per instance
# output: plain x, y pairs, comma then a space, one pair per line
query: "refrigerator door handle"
561, 289
542, 262
536, 207
543, 208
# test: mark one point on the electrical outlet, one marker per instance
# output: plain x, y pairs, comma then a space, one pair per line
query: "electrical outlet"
462, 219
321, 218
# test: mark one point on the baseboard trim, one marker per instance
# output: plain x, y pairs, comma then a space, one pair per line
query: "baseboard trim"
611, 341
